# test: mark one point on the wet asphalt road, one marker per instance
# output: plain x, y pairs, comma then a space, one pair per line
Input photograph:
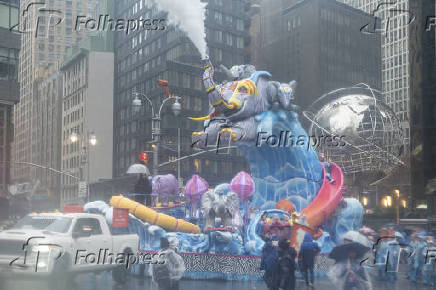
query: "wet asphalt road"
104, 281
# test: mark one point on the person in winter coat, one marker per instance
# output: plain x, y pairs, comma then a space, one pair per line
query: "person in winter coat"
309, 250
392, 263
380, 259
411, 256
419, 254
143, 190
286, 263
167, 273
268, 263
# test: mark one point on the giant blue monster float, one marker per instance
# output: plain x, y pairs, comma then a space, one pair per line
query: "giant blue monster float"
258, 115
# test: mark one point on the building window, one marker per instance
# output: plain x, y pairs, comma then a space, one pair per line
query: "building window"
8, 63
219, 36
239, 24
8, 15
218, 17
218, 54
229, 39
239, 42
186, 81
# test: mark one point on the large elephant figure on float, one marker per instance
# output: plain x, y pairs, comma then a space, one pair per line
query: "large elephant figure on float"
246, 111
235, 104
222, 203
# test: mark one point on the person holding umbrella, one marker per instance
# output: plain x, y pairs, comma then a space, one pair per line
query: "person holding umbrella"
348, 273
143, 190
143, 187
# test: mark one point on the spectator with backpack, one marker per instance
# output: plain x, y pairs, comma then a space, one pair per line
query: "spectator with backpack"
308, 252
167, 273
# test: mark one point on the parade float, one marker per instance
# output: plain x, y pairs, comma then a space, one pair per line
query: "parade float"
216, 229
289, 190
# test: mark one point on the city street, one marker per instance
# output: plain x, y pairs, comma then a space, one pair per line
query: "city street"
104, 282
217, 144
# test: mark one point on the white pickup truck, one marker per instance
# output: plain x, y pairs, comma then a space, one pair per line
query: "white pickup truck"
58, 246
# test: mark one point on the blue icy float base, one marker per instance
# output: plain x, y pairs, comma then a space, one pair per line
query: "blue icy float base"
349, 218
285, 167
253, 242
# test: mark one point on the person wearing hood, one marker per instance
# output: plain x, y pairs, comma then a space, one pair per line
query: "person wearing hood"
167, 274
309, 250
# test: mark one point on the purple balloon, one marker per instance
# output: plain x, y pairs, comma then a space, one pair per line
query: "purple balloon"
165, 184
243, 185
195, 187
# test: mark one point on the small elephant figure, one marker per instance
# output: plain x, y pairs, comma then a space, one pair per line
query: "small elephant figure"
222, 203
282, 95
239, 72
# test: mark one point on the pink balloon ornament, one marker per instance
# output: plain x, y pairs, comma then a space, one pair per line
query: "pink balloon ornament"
243, 185
195, 188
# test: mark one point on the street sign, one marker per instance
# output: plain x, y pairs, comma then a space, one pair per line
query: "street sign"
83, 189
120, 218
72, 208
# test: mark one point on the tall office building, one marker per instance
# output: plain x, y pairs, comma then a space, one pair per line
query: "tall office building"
144, 56
422, 54
318, 44
87, 110
391, 19
87, 116
47, 30
47, 89
9, 48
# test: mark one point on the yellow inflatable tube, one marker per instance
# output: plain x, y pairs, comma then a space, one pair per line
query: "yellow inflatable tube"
153, 217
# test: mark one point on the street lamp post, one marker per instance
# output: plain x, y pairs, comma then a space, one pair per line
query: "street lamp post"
156, 118
387, 202
397, 206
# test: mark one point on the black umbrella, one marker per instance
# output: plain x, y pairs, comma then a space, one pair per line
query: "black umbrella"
341, 252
